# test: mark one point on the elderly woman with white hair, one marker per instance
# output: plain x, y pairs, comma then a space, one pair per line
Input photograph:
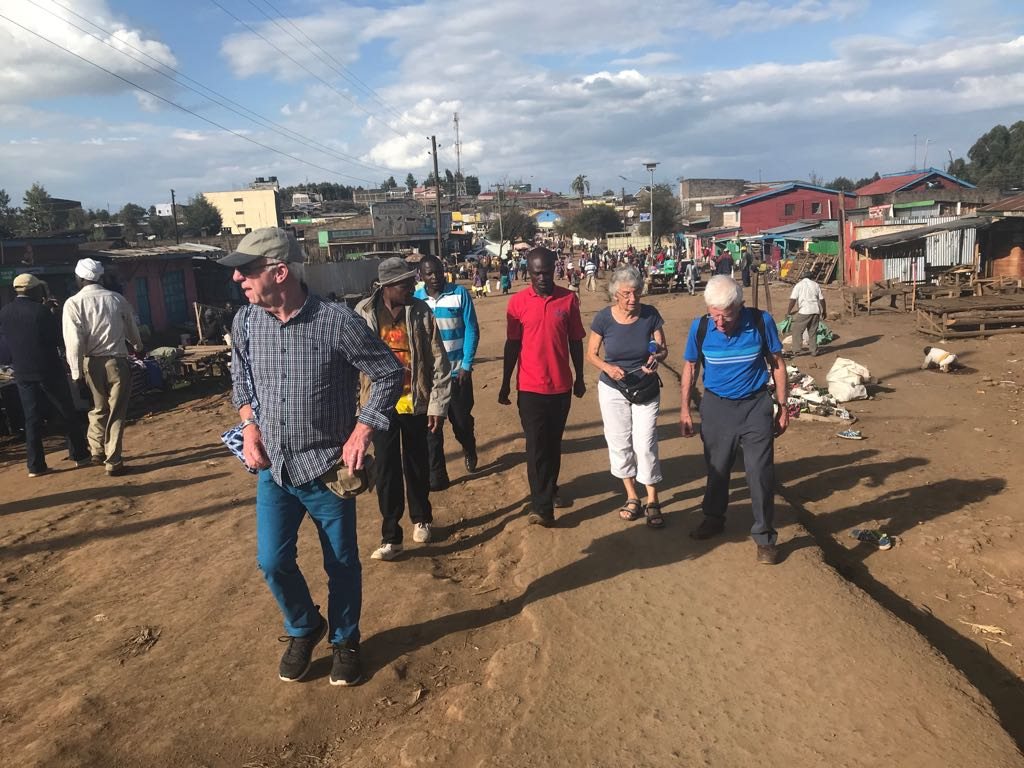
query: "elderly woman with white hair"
629, 390
741, 352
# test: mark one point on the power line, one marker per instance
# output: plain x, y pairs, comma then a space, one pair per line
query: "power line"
302, 66
218, 98
337, 66
180, 107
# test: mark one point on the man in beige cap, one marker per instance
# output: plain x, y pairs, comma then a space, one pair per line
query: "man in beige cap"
33, 336
295, 366
99, 328
408, 327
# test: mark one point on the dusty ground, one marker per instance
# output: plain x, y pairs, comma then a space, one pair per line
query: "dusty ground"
137, 630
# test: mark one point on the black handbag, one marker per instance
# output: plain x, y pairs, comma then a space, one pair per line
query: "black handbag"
640, 389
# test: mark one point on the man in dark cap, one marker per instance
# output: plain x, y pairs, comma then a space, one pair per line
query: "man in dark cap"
295, 365
408, 327
33, 336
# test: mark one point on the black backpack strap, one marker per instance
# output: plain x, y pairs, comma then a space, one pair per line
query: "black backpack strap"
758, 319
702, 332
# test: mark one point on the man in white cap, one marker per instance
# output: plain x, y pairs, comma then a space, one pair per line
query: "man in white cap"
99, 333
410, 330
33, 336
295, 368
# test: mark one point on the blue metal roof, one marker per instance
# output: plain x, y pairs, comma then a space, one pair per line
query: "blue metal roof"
779, 190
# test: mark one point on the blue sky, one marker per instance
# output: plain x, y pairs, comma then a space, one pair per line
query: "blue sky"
770, 89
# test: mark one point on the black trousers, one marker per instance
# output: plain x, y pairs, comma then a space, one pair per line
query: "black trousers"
543, 418
460, 414
400, 455
32, 394
725, 426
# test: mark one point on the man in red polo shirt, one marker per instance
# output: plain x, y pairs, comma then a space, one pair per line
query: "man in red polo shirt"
544, 331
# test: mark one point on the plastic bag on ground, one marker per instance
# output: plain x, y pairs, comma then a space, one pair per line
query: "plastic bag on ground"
846, 380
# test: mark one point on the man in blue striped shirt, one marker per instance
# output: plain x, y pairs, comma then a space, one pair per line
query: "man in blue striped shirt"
456, 318
295, 368
741, 353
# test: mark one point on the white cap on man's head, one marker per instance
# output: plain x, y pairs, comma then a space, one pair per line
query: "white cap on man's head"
89, 269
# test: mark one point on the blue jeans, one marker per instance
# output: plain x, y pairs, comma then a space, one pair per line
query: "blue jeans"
279, 512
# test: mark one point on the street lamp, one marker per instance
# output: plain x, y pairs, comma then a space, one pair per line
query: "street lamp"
650, 167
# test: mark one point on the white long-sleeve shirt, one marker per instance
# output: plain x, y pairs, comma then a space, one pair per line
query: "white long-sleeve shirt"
98, 323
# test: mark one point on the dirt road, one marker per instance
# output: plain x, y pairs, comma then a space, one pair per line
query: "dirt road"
137, 629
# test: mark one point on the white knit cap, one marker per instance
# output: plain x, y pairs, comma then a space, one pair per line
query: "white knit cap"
89, 269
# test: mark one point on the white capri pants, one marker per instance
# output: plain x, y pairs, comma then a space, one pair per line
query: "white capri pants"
631, 433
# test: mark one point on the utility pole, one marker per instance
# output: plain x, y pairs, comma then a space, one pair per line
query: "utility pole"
650, 167
437, 198
174, 218
501, 226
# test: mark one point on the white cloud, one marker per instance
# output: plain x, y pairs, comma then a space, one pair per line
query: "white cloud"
31, 68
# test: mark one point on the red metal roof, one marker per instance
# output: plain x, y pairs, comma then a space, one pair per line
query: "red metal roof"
1015, 203
891, 183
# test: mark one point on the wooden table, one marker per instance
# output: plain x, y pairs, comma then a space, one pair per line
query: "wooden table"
969, 316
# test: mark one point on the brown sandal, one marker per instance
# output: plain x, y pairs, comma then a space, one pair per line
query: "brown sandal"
631, 510
652, 512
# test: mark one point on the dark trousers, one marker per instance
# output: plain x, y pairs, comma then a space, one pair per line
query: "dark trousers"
32, 394
543, 418
460, 414
725, 426
400, 454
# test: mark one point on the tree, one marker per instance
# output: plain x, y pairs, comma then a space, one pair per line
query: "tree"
202, 217
595, 221
411, 183
162, 227
866, 180
997, 158
666, 211
608, 193
9, 216
37, 210
77, 219
842, 184
580, 186
515, 225
472, 186
390, 183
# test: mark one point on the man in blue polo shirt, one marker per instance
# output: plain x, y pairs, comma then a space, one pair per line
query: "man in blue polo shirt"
456, 318
741, 352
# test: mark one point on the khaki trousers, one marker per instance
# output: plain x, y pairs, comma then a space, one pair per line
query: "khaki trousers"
110, 381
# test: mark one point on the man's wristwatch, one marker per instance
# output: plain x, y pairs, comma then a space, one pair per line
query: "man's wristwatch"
246, 422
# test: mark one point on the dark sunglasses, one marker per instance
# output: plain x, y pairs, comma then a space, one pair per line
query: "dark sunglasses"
251, 269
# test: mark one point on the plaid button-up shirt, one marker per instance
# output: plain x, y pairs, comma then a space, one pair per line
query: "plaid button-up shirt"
306, 377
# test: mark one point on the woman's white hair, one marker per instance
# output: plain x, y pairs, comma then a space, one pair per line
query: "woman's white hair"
723, 292
626, 275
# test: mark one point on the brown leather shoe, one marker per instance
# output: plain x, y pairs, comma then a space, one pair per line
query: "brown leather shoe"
767, 554
709, 526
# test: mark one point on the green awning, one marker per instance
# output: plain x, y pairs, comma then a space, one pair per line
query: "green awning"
918, 204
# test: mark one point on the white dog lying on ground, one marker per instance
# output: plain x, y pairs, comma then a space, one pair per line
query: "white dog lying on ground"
938, 357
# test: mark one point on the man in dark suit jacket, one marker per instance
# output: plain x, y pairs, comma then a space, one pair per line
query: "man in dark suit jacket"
33, 336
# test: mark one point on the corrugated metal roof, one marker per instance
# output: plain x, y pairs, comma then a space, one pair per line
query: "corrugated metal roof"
157, 252
894, 182
1015, 204
827, 229
909, 235
791, 227
744, 199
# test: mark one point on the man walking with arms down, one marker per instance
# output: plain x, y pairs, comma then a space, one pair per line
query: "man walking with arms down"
740, 351
456, 319
295, 370
809, 302
544, 331
33, 335
99, 326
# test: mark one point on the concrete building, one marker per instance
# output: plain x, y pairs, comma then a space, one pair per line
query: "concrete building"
243, 210
697, 196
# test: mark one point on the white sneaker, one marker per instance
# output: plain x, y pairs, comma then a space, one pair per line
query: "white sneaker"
421, 533
386, 552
